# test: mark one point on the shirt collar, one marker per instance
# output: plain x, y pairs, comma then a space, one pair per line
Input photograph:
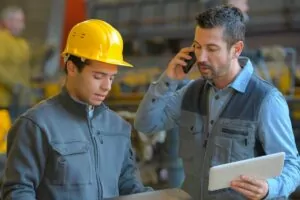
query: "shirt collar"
242, 79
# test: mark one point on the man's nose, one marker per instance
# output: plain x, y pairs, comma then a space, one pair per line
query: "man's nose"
106, 83
202, 56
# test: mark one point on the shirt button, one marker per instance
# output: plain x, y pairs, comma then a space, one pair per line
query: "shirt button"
217, 97
153, 100
211, 122
167, 84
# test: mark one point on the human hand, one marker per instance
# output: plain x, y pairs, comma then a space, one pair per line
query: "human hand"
251, 187
175, 66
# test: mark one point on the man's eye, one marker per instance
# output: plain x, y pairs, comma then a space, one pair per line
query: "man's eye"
197, 47
98, 77
212, 49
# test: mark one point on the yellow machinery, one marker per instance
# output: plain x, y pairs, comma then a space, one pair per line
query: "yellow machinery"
129, 87
5, 124
283, 73
52, 88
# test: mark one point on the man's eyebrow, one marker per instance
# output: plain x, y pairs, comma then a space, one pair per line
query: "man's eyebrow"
103, 73
196, 42
210, 44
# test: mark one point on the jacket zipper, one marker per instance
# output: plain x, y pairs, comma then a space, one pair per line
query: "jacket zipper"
94, 140
97, 168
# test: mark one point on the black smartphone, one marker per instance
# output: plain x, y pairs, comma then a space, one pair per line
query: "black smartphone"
190, 62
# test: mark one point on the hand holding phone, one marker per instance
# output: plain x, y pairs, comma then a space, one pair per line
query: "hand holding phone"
181, 63
190, 63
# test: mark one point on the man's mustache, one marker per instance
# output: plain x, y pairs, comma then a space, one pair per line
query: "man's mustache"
203, 64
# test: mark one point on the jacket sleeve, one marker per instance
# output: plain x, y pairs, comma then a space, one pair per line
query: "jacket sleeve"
130, 181
276, 135
26, 158
160, 108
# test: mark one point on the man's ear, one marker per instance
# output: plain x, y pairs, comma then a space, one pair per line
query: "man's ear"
71, 68
237, 49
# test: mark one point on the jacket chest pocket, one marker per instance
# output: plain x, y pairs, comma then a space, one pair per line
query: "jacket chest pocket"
71, 164
238, 140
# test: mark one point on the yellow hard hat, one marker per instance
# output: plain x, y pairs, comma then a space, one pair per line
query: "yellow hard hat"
96, 40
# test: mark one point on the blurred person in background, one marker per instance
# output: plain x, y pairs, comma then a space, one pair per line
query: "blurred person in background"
14, 62
14, 68
241, 4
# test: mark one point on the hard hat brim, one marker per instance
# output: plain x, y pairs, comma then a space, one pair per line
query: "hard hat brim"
109, 61
119, 63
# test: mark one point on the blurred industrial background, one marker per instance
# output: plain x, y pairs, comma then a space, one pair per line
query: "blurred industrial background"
153, 31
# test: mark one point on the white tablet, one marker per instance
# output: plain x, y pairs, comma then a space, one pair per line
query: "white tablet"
263, 167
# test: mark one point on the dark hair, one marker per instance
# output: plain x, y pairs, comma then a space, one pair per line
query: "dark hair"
228, 17
77, 62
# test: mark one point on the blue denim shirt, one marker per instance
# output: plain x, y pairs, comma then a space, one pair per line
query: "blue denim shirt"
161, 109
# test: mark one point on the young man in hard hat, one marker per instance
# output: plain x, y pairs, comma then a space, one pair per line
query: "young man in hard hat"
72, 146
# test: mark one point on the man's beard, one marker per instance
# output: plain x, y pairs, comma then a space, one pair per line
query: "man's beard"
208, 67
215, 72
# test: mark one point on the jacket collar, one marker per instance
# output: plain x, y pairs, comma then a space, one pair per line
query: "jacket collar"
77, 107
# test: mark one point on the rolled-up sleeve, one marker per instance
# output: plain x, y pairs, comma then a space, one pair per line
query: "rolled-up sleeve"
276, 134
160, 107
